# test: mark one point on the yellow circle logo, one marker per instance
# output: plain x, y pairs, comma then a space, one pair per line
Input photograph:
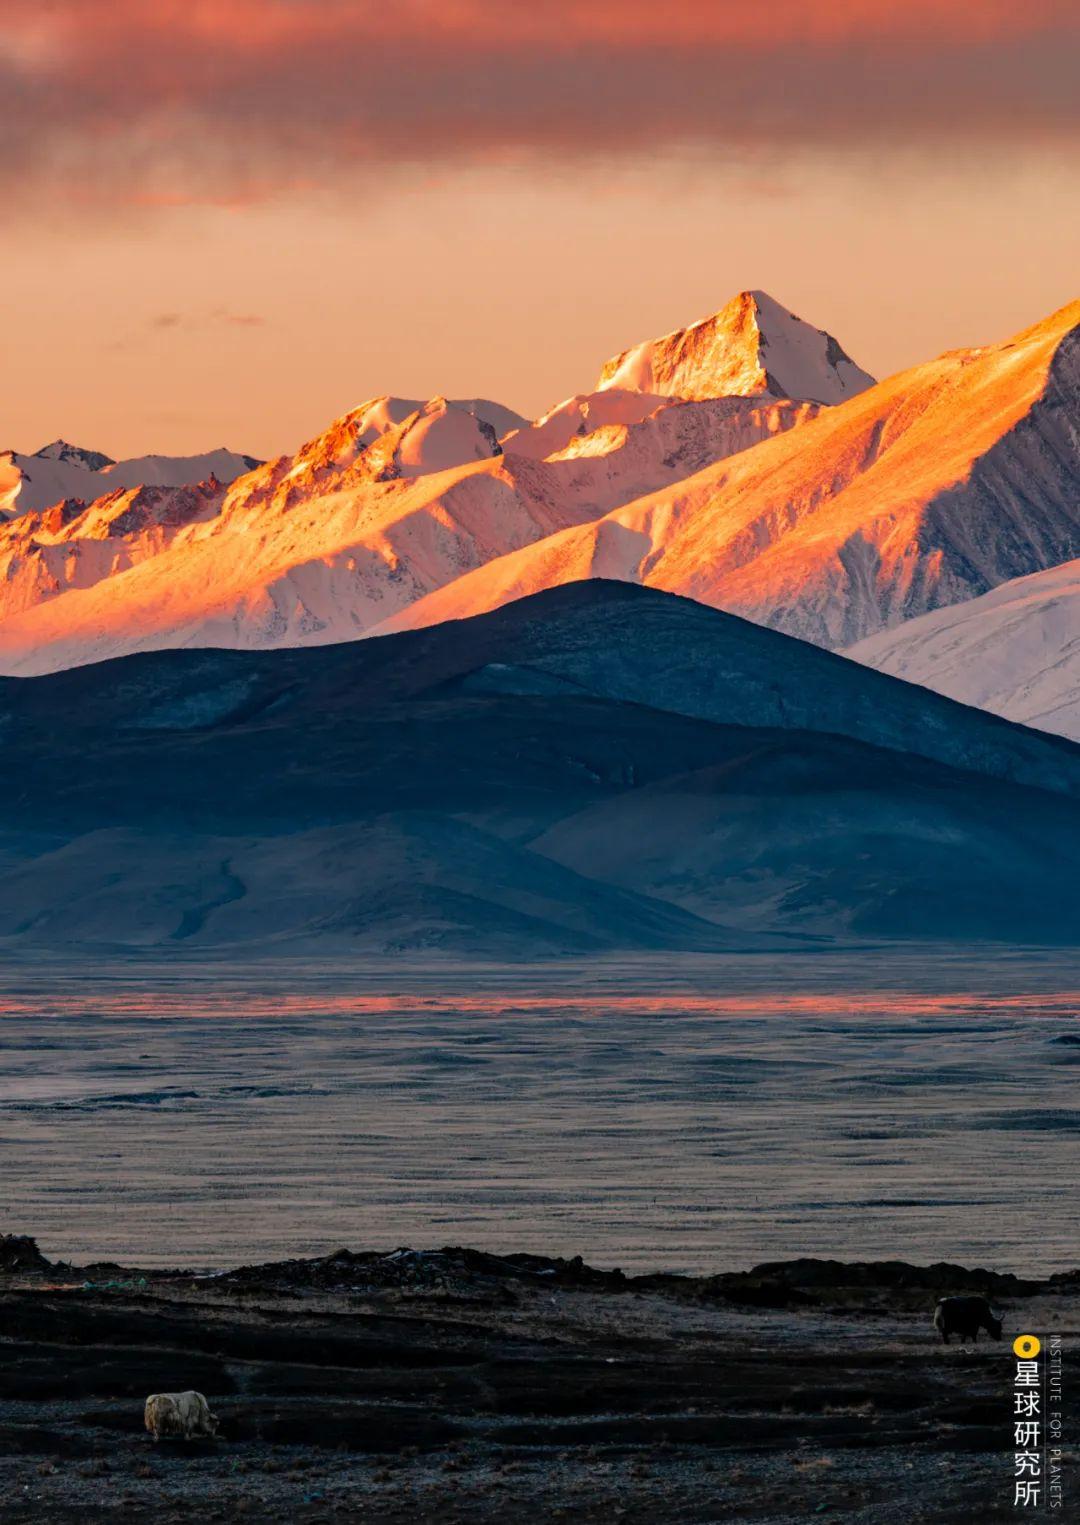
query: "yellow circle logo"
1027, 1346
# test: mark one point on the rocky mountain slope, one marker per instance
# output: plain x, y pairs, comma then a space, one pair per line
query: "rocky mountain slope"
602, 766
923, 491
1014, 651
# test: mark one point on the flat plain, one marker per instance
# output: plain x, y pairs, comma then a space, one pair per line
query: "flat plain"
683, 1115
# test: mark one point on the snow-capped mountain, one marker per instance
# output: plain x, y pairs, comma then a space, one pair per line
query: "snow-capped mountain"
357, 526
435, 436
475, 420
74, 455
830, 522
753, 347
1015, 650
366, 551
32, 482
750, 347
73, 545
925, 490
579, 416
179, 470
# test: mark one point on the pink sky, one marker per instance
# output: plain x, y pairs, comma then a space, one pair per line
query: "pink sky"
229, 220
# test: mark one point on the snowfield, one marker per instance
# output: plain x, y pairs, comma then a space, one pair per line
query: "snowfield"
1015, 651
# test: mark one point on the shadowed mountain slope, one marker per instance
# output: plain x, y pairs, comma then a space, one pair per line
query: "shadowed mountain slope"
601, 766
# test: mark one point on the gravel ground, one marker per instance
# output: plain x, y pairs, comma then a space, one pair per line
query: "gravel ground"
454, 1386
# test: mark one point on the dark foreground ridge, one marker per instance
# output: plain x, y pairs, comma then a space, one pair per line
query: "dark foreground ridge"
600, 767
455, 1385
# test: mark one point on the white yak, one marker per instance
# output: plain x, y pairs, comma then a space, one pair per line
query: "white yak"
185, 1414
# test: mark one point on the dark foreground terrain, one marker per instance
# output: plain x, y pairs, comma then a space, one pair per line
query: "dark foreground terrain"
458, 1386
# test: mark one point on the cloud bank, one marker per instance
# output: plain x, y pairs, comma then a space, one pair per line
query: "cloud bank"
157, 102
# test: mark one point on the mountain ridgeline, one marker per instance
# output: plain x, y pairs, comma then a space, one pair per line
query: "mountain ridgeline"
597, 767
575, 686
744, 461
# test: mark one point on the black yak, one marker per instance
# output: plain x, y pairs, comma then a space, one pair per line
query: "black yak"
965, 1316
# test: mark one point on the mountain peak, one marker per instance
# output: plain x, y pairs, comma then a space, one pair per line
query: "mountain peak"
752, 346
74, 455
387, 437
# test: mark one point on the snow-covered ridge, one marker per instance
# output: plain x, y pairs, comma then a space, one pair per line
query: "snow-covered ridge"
827, 522
324, 545
379, 415
751, 346
74, 455
74, 545
1014, 651
925, 490
581, 415
32, 482
389, 437
436, 436
179, 470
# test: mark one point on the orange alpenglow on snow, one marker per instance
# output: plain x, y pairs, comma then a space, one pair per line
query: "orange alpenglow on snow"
929, 488
60, 470
751, 346
830, 512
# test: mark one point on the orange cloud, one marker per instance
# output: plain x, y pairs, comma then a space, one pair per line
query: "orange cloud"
268, 25
158, 102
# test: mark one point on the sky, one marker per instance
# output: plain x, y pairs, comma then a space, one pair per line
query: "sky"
228, 221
